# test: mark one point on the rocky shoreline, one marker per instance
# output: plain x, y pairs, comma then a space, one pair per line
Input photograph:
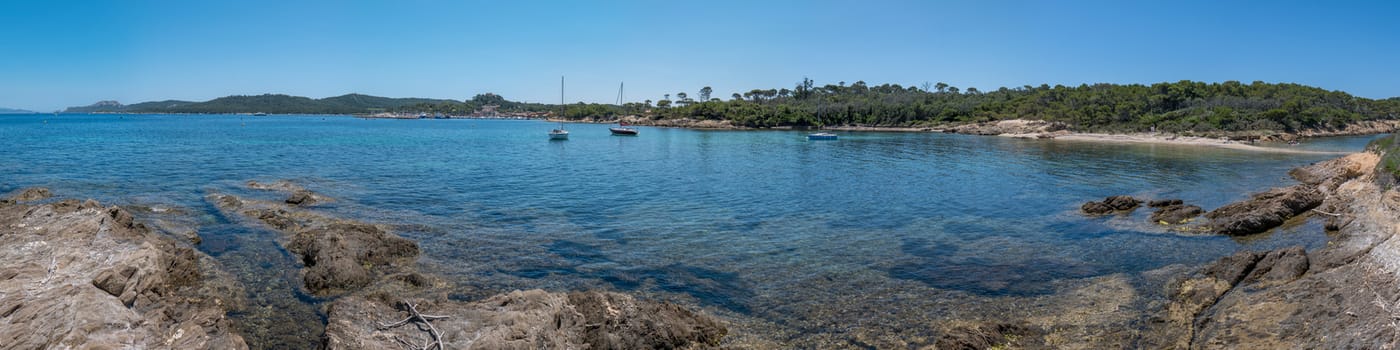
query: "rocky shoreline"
111, 282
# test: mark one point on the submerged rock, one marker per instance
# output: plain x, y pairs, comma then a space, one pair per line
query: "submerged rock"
983, 336
30, 194
1159, 203
1264, 211
1175, 214
532, 319
297, 195
83, 275
1110, 205
339, 255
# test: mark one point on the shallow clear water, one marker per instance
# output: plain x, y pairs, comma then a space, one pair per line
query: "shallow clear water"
732, 221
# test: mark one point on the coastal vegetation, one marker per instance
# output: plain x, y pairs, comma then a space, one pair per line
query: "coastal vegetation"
1230, 106
1183, 106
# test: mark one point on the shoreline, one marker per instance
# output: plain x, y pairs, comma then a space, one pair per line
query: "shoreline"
1175, 140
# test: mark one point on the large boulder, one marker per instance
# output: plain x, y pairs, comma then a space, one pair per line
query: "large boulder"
532, 319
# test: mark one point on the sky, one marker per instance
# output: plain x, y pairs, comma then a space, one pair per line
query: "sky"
55, 54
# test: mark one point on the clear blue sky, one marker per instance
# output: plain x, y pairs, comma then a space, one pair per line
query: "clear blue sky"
64, 53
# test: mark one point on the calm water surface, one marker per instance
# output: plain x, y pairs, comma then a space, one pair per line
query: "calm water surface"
760, 225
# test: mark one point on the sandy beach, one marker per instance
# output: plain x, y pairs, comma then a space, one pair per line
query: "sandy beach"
1166, 139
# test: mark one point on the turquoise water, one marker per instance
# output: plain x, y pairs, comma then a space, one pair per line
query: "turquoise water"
760, 225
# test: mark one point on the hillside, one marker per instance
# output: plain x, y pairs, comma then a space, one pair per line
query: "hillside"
4, 110
267, 103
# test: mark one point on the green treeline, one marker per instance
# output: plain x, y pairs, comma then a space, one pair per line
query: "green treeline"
1181, 106
1184, 106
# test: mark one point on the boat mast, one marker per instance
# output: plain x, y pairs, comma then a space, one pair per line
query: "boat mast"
561, 102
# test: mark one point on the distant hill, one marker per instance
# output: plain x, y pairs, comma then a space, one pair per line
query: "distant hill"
4, 110
118, 107
266, 103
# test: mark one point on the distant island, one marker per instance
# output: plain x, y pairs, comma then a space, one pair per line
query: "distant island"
344, 104
1229, 107
4, 110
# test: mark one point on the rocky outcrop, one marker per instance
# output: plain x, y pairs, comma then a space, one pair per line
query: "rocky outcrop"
338, 255
83, 275
1264, 211
1110, 205
532, 319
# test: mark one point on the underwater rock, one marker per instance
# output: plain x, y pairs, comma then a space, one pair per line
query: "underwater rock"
339, 255
30, 194
81, 275
981, 337
1174, 214
1264, 211
1164, 203
297, 195
532, 319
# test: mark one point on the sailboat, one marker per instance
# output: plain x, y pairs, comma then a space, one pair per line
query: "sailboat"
559, 133
622, 129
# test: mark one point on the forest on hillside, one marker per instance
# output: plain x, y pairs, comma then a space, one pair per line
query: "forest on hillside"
1178, 106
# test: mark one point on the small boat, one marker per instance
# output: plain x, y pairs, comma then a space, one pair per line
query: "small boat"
259, 114
821, 136
623, 128
559, 133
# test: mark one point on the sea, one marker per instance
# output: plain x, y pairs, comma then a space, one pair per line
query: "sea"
795, 243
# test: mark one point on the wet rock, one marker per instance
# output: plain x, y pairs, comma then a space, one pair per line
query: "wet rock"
339, 255
303, 198
532, 319
297, 195
1175, 214
1264, 211
1110, 204
30, 194
981, 337
80, 275
343, 255
1159, 203
1278, 266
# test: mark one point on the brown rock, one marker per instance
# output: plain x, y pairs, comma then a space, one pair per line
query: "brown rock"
1175, 213
30, 194
981, 337
1264, 211
532, 319
82, 276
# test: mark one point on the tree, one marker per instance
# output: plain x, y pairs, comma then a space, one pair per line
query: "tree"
973, 90
705, 93
648, 103
680, 95
737, 97
953, 89
668, 96
664, 103
941, 86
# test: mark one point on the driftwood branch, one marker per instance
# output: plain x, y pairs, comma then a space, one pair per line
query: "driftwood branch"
418, 319
1326, 213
